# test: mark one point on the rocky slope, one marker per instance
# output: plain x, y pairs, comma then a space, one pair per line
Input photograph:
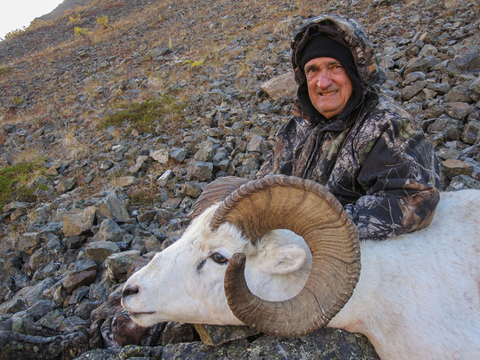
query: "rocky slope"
107, 196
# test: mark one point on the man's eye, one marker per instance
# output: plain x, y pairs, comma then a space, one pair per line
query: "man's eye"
219, 258
337, 68
311, 73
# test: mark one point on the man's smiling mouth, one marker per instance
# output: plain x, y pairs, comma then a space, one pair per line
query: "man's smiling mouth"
329, 93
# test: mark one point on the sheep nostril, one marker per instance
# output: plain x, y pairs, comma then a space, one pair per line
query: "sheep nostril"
129, 291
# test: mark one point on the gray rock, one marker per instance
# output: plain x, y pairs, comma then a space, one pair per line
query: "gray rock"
79, 221
73, 324
39, 258
205, 152
26, 297
416, 64
452, 168
28, 242
410, 91
215, 335
179, 154
466, 61
191, 189
457, 94
161, 156
463, 182
171, 204
118, 264
111, 207
449, 127
323, 344
77, 279
257, 144
387, 62
98, 251
475, 87
14, 205
458, 110
78, 295
74, 242
49, 270
413, 77
441, 89
175, 333
202, 171
66, 185
248, 168
280, 86
471, 132
18, 213
125, 181
163, 179
428, 50
110, 231
146, 214
21, 346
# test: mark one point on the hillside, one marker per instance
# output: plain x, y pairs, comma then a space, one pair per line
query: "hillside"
146, 102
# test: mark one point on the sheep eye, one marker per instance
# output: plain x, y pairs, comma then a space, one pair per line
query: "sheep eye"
219, 258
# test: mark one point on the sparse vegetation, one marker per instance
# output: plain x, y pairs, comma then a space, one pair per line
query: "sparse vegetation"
81, 31
75, 20
145, 116
194, 64
18, 182
5, 70
143, 197
102, 21
14, 33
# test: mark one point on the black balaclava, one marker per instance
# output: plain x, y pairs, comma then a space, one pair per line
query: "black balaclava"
321, 45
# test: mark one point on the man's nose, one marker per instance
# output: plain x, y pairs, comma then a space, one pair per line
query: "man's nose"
324, 79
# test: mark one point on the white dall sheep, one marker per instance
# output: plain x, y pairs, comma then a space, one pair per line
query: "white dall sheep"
417, 296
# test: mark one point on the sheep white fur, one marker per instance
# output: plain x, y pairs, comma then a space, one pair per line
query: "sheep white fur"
418, 296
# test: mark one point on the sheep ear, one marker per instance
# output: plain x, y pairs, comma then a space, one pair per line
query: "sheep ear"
285, 259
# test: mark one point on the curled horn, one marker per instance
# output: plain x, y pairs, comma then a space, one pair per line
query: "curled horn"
309, 210
216, 192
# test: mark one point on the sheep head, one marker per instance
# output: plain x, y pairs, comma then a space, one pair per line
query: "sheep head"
238, 233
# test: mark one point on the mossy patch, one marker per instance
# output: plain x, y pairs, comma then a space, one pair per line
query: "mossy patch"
17, 182
147, 115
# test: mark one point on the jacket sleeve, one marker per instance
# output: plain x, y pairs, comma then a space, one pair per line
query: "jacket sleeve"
399, 175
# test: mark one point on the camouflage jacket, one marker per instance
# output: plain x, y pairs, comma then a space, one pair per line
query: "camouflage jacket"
377, 162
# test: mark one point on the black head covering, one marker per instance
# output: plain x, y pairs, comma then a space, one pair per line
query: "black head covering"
322, 45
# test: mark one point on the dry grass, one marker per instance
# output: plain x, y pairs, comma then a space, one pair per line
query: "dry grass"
74, 145
212, 48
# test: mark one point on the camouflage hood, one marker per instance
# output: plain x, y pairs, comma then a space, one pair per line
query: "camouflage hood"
347, 32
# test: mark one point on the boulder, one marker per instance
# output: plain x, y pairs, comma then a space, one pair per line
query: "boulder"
78, 221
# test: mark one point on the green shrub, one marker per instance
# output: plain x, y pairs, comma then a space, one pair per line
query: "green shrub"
145, 116
17, 182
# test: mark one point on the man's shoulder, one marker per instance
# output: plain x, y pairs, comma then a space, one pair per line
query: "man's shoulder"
385, 116
295, 124
391, 108
386, 112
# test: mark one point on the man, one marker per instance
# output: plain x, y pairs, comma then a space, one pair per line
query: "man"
348, 136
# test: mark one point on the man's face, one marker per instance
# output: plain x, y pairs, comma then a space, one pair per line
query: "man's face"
329, 86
